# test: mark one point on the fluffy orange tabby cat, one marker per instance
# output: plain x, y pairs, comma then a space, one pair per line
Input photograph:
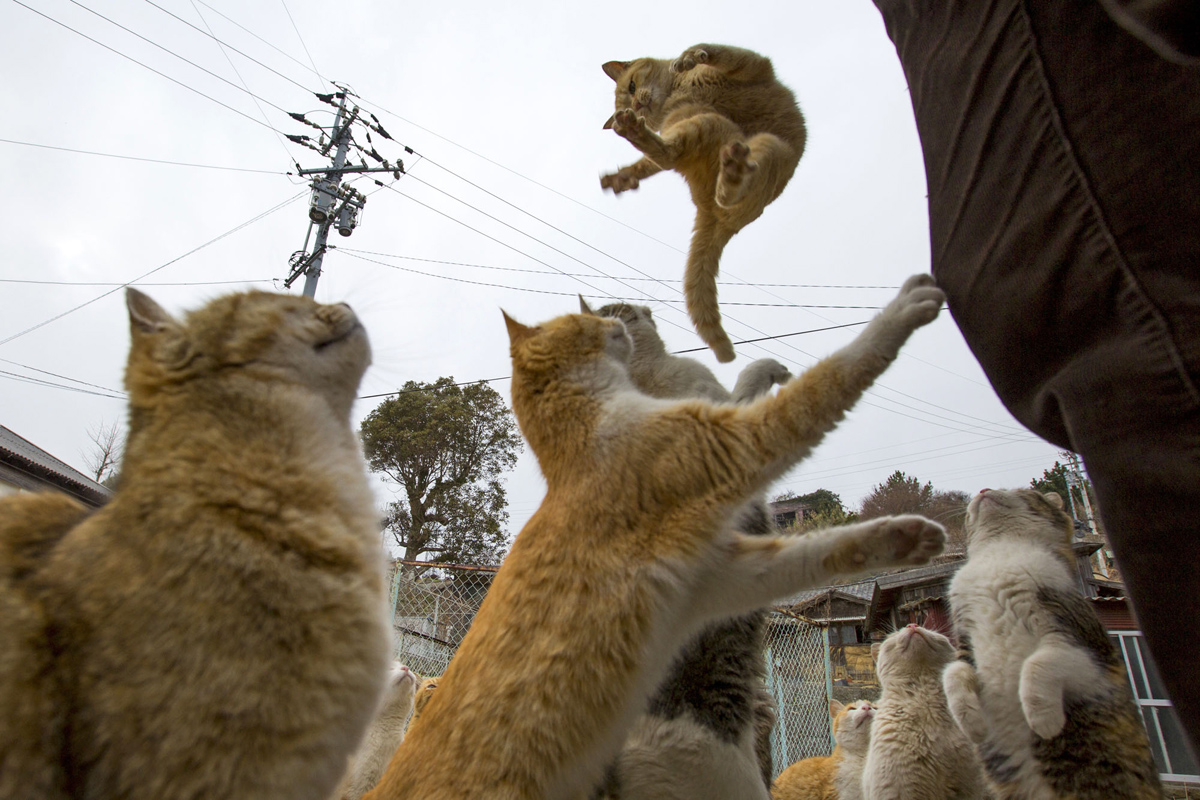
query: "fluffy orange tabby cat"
217, 629
632, 552
836, 776
718, 116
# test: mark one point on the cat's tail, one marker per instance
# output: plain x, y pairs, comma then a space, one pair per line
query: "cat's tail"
700, 285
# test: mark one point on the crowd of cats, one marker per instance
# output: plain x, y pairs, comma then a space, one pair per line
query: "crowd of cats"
220, 629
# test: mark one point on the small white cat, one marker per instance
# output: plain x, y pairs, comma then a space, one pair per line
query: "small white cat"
384, 735
917, 751
1047, 702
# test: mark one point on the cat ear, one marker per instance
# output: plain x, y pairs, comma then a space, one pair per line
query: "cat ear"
1055, 499
148, 319
517, 332
584, 308
875, 651
145, 315
609, 122
835, 708
613, 69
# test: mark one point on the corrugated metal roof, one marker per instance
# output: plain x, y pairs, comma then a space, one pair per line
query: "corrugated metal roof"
13, 445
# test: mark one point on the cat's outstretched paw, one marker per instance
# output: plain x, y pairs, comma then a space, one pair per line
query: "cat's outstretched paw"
689, 59
906, 540
628, 124
736, 169
918, 303
758, 378
623, 180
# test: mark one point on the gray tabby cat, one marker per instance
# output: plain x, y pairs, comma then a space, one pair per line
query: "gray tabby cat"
706, 731
1040, 689
917, 752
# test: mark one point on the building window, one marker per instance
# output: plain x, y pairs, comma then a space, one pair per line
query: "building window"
1167, 739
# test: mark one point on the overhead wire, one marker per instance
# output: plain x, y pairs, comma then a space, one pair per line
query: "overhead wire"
146, 66
196, 249
302, 44
139, 158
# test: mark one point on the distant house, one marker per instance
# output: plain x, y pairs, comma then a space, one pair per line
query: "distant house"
787, 513
25, 467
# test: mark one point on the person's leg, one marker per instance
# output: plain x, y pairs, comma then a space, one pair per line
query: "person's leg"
1063, 162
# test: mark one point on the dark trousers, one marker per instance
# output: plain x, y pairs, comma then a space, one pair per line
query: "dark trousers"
1063, 161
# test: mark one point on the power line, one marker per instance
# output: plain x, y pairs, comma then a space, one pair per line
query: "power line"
185, 60
229, 232
12, 376
63, 377
354, 254
242, 80
578, 275
302, 44
114, 283
138, 158
213, 36
146, 66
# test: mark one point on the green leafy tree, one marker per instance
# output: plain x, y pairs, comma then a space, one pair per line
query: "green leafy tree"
905, 494
899, 494
825, 509
445, 446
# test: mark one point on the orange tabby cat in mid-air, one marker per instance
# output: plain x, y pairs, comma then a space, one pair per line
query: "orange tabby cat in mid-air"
718, 116
217, 630
632, 552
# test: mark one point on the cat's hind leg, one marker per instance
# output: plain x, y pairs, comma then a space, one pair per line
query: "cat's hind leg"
688, 135
754, 172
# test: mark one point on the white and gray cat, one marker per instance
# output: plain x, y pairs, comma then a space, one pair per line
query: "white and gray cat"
917, 752
384, 735
706, 730
1039, 687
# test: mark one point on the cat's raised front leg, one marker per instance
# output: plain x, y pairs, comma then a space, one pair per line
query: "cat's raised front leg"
630, 126
758, 378
630, 177
763, 569
1050, 670
917, 304
961, 684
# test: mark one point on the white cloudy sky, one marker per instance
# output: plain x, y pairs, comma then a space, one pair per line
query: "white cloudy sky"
504, 103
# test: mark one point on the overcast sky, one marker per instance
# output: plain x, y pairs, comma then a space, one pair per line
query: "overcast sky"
502, 104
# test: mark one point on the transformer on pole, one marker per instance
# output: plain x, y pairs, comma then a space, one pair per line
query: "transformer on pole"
334, 204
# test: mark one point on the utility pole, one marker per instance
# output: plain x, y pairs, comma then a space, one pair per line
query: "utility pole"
1075, 480
334, 203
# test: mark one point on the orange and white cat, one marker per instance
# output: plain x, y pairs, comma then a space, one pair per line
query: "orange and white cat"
719, 117
837, 776
218, 628
633, 551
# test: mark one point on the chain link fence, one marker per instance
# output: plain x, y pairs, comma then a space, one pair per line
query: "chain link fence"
433, 607
798, 676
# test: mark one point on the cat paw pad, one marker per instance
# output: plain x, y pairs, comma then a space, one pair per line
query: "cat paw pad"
627, 123
919, 301
906, 540
689, 60
736, 168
